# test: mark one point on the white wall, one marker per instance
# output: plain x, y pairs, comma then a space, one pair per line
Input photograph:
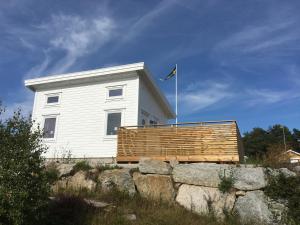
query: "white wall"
81, 117
148, 103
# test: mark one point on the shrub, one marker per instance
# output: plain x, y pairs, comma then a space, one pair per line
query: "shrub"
24, 186
227, 182
288, 188
81, 166
52, 174
102, 167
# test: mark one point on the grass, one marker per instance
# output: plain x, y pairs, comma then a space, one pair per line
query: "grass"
81, 166
70, 209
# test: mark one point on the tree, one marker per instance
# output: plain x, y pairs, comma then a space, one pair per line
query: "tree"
24, 187
256, 142
259, 141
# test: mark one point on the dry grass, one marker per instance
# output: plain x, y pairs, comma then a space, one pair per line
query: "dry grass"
70, 209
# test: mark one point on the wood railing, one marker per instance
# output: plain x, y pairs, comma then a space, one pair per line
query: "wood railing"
214, 141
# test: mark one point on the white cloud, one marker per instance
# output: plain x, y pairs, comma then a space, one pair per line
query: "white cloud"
202, 95
256, 97
75, 37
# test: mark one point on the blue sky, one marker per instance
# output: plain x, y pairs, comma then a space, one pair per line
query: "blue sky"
236, 60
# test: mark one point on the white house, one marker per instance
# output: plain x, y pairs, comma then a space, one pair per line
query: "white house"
80, 112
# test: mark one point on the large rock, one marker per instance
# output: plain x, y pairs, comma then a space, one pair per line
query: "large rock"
118, 178
204, 200
284, 171
148, 165
156, 187
253, 207
297, 169
79, 181
249, 178
203, 174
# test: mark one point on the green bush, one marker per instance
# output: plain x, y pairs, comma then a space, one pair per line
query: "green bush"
227, 182
52, 174
24, 186
288, 188
102, 167
81, 166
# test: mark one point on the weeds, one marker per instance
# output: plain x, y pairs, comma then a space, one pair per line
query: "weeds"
227, 181
288, 188
81, 166
102, 167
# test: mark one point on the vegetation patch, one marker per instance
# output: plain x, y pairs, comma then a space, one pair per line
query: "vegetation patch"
286, 188
81, 166
227, 181
102, 167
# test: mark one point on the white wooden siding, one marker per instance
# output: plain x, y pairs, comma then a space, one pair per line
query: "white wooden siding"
81, 114
148, 103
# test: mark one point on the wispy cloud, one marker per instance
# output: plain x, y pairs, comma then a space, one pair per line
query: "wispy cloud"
265, 97
74, 37
202, 95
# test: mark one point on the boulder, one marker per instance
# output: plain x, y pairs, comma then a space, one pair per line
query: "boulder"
287, 173
297, 169
79, 181
279, 211
148, 165
204, 200
153, 186
118, 178
249, 179
203, 174
64, 169
284, 171
253, 207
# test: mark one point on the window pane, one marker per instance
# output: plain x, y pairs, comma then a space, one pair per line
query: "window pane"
52, 99
49, 127
115, 92
113, 122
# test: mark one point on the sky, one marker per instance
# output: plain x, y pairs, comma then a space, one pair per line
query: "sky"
237, 60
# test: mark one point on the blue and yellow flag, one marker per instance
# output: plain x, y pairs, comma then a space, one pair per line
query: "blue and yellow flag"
170, 75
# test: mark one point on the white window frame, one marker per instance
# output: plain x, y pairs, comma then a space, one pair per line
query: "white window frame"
56, 116
52, 95
109, 88
107, 111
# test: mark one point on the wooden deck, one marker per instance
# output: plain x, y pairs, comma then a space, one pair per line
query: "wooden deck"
212, 141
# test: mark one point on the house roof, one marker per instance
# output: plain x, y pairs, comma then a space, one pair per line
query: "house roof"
98, 74
294, 152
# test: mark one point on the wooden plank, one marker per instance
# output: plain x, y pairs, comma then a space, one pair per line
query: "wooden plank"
209, 142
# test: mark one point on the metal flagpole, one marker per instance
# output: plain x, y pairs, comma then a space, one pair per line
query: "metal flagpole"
176, 97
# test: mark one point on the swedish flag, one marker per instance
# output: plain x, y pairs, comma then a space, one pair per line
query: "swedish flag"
170, 75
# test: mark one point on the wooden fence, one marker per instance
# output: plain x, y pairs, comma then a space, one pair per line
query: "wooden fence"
213, 141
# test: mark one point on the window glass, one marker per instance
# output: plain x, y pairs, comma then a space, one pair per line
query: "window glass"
115, 92
49, 127
52, 99
113, 123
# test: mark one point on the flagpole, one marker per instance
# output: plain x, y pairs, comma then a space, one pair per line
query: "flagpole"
176, 97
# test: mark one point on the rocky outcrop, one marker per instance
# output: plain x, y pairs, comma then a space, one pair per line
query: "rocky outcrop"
284, 171
297, 169
147, 165
117, 178
204, 200
64, 169
156, 187
248, 179
202, 174
253, 207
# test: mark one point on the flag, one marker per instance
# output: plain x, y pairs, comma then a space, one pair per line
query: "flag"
170, 75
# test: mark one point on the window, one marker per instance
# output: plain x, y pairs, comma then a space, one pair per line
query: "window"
49, 127
115, 92
113, 122
52, 99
